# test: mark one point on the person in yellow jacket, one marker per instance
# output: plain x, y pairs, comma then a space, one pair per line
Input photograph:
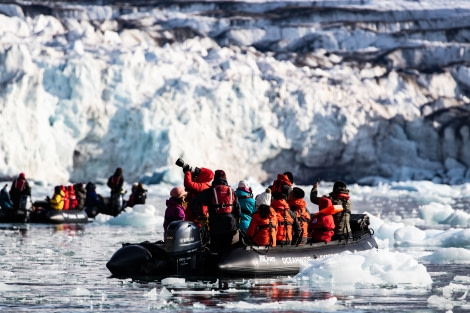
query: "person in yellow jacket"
57, 201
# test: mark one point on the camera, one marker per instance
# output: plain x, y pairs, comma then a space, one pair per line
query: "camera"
181, 163
187, 167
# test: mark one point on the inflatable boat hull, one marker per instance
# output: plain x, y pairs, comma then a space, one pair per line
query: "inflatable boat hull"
184, 255
43, 214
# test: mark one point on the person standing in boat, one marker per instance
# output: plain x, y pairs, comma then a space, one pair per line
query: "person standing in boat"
5, 200
174, 208
247, 204
283, 184
299, 207
288, 226
224, 212
195, 182
339, 196
263, 225
57, 200
116, 181
19, 188
322, 227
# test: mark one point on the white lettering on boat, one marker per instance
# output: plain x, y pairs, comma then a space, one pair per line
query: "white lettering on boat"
266, 259
295, 260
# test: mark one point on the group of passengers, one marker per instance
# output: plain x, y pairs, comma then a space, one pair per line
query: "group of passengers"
277, 216
70, 197
16, 198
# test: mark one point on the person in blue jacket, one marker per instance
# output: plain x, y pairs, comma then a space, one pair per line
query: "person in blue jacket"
5, 201
247, 204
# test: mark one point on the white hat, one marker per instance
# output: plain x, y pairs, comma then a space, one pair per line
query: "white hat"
264, 198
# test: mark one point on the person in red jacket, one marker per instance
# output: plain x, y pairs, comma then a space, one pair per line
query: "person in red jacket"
299, 206
263, 224
322, 227
287, 223
73, 201
19, 188
66, 198
282, 184
194, 183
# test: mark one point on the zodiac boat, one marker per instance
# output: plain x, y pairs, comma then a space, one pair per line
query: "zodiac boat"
184, 254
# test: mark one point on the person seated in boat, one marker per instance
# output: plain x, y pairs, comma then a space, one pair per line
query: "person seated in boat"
224, 213
247, 204
174, 208
298, 205
338, 196
116, 181
73, 201
288, 226
283, 183
93, 200
66, 200
138, 195
80, 193
195, 182
263, 225
19, 188
5, 200
322, 227
57, 200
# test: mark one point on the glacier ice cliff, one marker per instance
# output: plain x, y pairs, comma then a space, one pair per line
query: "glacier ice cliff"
353, 90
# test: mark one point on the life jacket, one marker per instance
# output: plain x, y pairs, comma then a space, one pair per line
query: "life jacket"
284, 221
322, 227
66, 198
299, 206
263, 230
20, 184
222, 199
73, 201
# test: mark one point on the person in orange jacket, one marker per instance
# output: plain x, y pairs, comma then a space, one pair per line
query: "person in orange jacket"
263, 225
287, 224
299, 206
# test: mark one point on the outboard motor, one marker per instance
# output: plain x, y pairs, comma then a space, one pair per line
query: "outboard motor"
25, 203
116, 204
183, 242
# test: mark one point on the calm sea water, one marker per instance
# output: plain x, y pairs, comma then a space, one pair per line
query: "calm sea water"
47, 268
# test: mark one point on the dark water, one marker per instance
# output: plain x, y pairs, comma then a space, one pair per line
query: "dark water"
46, 268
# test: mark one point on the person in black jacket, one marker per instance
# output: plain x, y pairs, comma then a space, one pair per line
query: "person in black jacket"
116, 181
19, 188
224, 212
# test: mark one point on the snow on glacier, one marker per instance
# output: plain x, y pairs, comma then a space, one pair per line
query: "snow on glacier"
82, 96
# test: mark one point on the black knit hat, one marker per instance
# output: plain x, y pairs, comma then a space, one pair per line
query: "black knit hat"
298, 193
340, 186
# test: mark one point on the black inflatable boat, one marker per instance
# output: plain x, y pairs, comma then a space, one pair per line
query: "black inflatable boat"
42, 213
185, 255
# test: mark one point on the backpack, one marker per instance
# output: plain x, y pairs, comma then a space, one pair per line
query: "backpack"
222, 199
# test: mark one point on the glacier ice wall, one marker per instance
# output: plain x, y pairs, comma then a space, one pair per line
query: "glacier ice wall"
352, 90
